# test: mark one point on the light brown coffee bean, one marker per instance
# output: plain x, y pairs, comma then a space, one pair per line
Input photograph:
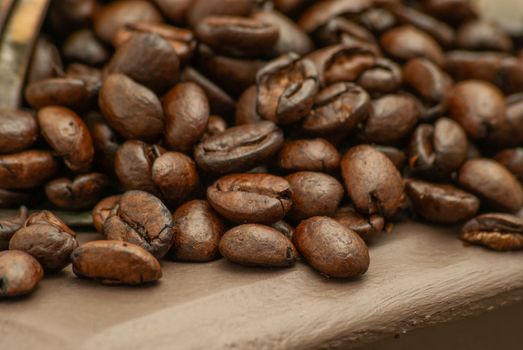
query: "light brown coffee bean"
19, 273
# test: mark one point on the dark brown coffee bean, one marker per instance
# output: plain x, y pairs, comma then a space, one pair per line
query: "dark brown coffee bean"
19, 273
285, 228
510, 132
257, 245
187, 114
102, 210
92, 78
512, 159
372, 181
26, 169
14, 199
68, 15
203, 8
367, 228
331, 248
105, 142
175, 10
47, 239
482, 35
215, 125
147, 59
142, 219
313, 154
477, 106
251, 198
83, 46
492, 182
286, 88
338, 108
45, 62
9, 225
82, 192
115, 262
495, 231
18, 131
239, 149
407, 42
67, 92
197, 233
246, 112
289, 6
384, 77
343, 31
454, 11
437, 150
115, 15
68, 135
391, 119
313, 194
441, 203
396, 155
427, 80
131, 109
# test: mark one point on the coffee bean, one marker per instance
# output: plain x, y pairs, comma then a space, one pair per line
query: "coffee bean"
341, 30
197, 232
441, 203
18, 131
9, 225
396, 155
246, 112
175, 10
115, 262
331, 248
372, 181
68, 15
482, 35
314, 155
427, 80
215, 125
510, 132
102, 210
257, 245
19, 273
383, 77
68, 92
239, 148
82, 192
495, 231
251, 198
493, 183
27, 169
47, 239
513, 160
83, 46
368, 228
142, 219
313, 194
45, 62
456, 11
204, 8
14, 199
105, 142
285, 228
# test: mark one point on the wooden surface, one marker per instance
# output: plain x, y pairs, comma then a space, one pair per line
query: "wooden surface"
419, 275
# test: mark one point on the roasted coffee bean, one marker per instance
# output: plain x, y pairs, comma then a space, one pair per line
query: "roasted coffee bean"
18, 131
441, 203
27, 169
82, 192
115, 262
9, 225
343, 31
68, 15
142, 219
289, 6
495, 231
105, 141
454, 11
204, 8
384, 77
83, 46
313, 194
477, 106
246, 112
482, 35
175, 10
331, 248
187, 114
239, 148
313, 155
102, 210
251, 198
513, 160
286, 88
406, 42
396, 155
493, 183
338, 108
391, 119
45, 62
378, 20
197, 232
427, 80
367, 228
68, 135
19, 273
285, 228
148, 59
47, 239
92, 78
437, 150
215, 125
67, 92
510, 132
257, 245
14, 199
372, 181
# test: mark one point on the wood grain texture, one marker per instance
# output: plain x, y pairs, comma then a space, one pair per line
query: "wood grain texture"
419, 275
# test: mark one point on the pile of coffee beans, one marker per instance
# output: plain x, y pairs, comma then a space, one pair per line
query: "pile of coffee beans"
257, 130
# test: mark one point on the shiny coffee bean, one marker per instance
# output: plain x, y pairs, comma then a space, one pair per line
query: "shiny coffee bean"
372, 181
9, 225
142, 219
102, 210
312, 154
19, 273
383, 77
45, 62
313, 194
115, 262
441, 203
493, 183
187, 114
246, 112
83, 46
82, 192
68, 92
482, 35
368, 228
251, 198
495, 231
197, 232
27, 169
512, 159
427, 80
257, 245
18, 131
68, 135
331, 248
239, 148
47, 239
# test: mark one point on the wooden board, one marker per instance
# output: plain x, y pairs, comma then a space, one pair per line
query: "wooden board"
419, 275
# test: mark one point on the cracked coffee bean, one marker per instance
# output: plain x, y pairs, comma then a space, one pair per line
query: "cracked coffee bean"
82, 192
495, 231
102, 210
